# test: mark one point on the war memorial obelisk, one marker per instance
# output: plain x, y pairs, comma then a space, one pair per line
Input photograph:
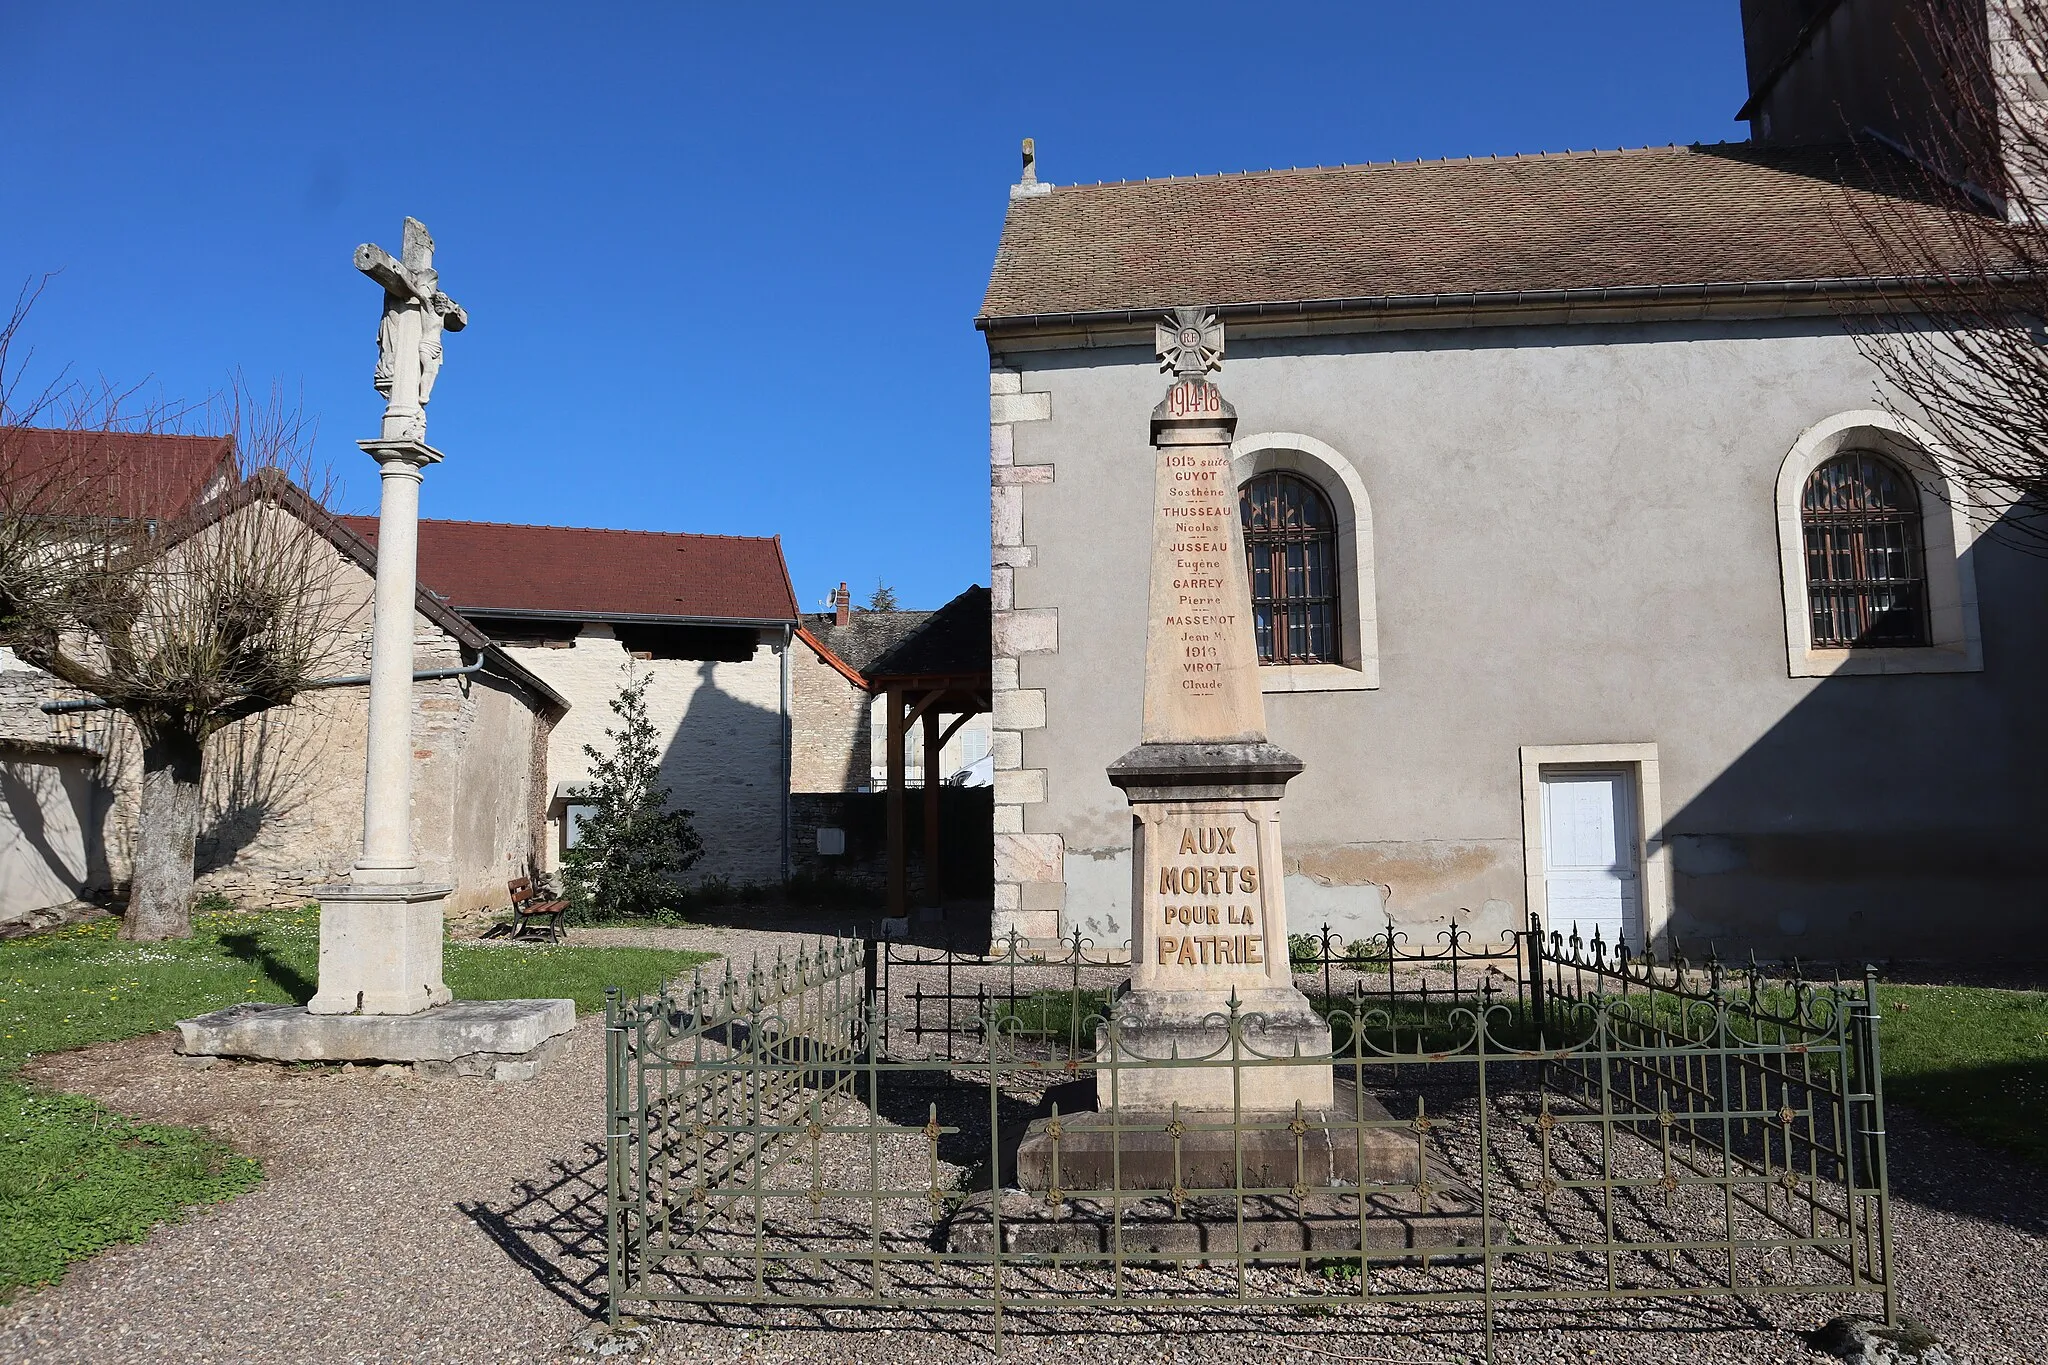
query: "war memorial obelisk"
1213, 1075
1208, 913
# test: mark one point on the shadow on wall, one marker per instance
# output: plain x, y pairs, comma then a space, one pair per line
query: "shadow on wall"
724, 763
256, 772
54, 803
1901, 815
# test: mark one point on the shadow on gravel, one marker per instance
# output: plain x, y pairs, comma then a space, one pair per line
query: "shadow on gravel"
1401, 1334
1936, 1166
555, 1230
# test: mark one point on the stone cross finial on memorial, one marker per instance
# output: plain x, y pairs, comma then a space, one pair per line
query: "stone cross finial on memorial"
1190, 343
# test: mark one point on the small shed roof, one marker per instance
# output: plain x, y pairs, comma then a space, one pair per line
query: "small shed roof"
953, 642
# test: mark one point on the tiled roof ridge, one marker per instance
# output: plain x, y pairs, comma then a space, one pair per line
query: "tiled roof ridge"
550, 526
1421, 162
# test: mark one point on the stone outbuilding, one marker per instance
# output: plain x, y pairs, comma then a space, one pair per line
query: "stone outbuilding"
708, 618
525, 634
840, 782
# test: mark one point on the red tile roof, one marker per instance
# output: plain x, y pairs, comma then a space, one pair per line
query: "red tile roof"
139, 475
1654, 217
579, 571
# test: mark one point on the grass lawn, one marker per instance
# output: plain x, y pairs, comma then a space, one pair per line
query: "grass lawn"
75, 1178
1976, 1060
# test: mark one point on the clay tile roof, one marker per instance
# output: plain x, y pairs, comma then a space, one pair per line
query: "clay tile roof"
577, 571
1660, 216
954, 640
866, 636
139, 475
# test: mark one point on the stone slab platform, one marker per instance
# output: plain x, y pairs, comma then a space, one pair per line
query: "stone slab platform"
1094, 1158
1277, 1229
1330, 1150
504, 1039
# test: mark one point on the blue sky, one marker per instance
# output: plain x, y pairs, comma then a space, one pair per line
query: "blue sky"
721, 261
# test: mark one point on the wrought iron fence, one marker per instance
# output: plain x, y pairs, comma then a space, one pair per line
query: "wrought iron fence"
1533, 1120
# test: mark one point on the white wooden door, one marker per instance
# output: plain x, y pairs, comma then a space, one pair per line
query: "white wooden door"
1591, 875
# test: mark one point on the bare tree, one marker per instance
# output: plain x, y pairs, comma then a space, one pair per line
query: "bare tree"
184, 624
1962, 333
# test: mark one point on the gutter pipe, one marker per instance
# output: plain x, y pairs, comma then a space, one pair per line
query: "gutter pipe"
60, 708
1502, 298
788, 751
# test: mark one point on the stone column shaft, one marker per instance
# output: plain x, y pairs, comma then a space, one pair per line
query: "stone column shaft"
387, 856
380, 935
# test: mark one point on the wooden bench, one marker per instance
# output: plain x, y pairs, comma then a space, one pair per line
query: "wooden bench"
533, 917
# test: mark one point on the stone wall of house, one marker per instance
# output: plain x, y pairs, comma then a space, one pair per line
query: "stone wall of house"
283, 807
829, 726
52, 799
473, 739
722, 732
861, 819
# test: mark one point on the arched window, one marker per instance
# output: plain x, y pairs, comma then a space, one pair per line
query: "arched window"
1290, 542
1866, 573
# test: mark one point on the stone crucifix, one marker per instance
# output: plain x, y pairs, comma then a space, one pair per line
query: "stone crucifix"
380, 934
416, 312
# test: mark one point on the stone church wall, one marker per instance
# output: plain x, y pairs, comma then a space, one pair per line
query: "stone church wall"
1575, 543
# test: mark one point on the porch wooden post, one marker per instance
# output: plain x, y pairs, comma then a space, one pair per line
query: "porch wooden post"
897, 897
932, 778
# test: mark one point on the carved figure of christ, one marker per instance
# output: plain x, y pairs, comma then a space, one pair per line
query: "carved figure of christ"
416, 312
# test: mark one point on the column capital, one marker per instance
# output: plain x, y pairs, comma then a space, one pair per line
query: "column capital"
418, 454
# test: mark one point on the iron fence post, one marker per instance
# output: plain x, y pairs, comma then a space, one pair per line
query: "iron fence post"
1869, 1017
870, 988
614, 1153
1533, 945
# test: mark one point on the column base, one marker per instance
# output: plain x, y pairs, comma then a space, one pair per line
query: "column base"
380, 950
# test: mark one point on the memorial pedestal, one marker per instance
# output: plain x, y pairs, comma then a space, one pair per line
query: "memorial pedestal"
1306, 1187
380, 950
1209, 938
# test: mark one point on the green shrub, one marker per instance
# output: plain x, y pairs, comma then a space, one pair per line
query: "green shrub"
631, 849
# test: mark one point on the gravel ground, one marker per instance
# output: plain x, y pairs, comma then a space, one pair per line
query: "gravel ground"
462, 1220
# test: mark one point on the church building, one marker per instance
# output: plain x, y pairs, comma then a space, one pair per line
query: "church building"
1595, 574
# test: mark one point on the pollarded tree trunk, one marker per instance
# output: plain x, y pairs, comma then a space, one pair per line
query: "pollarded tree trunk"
166, 832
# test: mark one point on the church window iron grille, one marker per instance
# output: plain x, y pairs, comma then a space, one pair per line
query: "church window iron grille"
1290, 541
1866, 572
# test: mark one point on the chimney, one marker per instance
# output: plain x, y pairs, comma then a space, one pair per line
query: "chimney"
842, 605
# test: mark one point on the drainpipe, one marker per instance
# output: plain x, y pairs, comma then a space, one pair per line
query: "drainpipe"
788, 640
61, 708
